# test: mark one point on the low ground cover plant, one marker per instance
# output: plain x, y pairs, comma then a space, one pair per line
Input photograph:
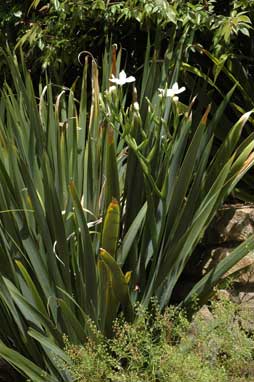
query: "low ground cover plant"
167, 347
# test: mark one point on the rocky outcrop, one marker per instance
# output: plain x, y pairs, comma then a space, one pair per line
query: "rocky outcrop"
232, 224
242, 272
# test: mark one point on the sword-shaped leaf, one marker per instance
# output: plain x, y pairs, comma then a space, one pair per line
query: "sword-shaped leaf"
29, 368
112, 177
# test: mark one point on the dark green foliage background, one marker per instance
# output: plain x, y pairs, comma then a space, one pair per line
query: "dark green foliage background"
53, 33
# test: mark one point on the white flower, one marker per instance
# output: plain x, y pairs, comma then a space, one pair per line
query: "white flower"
172, 92
123, 79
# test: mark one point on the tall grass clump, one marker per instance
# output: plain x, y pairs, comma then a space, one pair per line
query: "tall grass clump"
103, 198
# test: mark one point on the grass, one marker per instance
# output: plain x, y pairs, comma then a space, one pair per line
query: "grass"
167, 347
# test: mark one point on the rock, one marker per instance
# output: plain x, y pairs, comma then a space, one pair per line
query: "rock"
204, 313
233, 223
247, 298
243, 270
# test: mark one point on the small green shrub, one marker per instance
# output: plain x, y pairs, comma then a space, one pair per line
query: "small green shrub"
222, 341
166, 347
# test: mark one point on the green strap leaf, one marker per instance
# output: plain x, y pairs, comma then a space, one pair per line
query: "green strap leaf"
112, 190
130, 235
88, 262
35, 373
